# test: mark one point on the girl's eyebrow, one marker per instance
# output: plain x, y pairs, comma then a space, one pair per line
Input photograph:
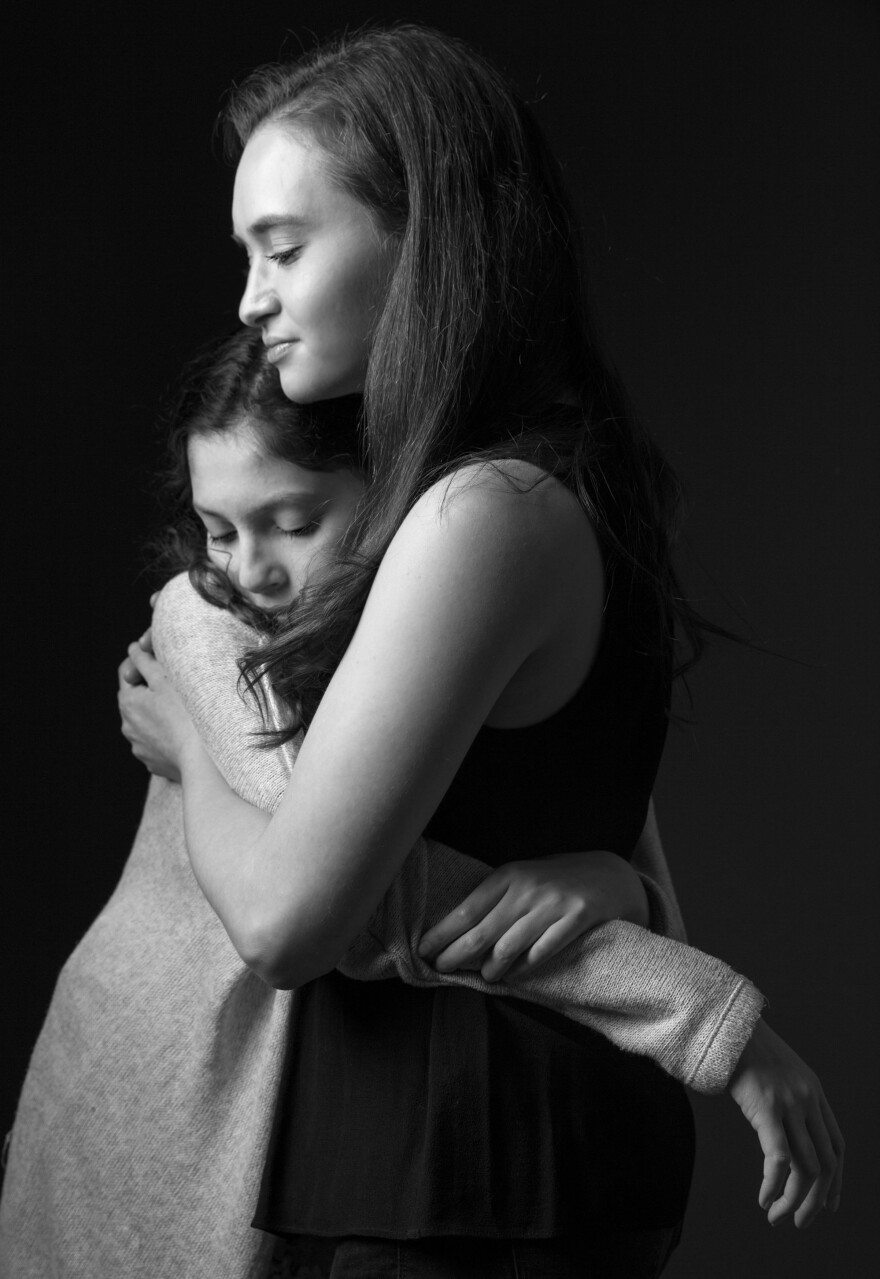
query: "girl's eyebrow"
271, 222
290, 497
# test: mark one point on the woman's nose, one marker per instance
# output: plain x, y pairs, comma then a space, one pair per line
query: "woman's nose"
258, 300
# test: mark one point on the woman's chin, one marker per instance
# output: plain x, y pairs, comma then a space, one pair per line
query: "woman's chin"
303, 390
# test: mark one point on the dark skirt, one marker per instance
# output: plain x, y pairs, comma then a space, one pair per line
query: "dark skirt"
407, 1114
637, 1254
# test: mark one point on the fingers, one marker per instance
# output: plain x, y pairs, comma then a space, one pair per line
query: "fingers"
819, 1160
816, 1177
802, 1167
464, 918
554, 939
803, 1147
777, 1161
514, 943
144, 663
129, 673
824, 1158
517, 918
129, 670
475, 948
805, 1187
838, 1145
511, 941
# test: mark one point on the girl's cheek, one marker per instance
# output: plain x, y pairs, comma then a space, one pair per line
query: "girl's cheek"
220, 559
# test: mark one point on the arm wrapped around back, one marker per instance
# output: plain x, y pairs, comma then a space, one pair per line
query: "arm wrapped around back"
645, 991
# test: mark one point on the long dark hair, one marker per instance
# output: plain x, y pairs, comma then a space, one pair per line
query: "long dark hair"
230, 385
484, 347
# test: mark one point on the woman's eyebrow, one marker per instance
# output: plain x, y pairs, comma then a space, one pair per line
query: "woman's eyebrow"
271, 222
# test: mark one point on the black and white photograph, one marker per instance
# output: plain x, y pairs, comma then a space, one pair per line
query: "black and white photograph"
442, 648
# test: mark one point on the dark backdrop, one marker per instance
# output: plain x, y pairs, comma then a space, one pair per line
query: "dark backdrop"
722, 155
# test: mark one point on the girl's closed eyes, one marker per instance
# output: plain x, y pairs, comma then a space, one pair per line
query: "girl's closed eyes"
217, 539
237, 482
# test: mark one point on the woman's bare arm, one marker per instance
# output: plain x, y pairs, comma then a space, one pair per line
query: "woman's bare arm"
687, 1010
643, 992
474, 584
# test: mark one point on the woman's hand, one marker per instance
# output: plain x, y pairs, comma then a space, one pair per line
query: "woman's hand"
527, 911
802, 1144
154, 719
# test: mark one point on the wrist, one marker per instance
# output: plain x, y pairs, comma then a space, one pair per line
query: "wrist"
753, 1055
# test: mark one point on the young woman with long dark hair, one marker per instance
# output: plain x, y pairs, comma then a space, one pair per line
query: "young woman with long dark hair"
502, 623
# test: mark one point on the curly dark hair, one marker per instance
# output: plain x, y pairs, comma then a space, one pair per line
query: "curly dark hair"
230, 384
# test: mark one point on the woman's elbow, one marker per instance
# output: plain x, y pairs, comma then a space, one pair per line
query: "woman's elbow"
287, 957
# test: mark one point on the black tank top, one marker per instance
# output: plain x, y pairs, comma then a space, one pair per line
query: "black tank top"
405, 1113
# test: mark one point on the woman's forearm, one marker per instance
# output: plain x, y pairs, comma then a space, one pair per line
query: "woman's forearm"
644, 992
648, 994
222, 832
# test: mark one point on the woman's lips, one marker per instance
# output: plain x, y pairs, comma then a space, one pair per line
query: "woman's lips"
278, 350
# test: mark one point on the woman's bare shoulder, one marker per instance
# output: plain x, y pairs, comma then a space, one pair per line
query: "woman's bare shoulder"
497, 544
507, 495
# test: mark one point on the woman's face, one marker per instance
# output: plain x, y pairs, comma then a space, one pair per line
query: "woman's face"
318, 269
269, 523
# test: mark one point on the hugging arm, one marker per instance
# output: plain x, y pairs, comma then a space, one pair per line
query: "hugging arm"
645, 992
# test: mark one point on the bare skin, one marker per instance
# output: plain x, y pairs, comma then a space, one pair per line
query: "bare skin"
486, 608
779, 1095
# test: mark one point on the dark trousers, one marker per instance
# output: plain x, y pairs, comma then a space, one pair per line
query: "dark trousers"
639, 1254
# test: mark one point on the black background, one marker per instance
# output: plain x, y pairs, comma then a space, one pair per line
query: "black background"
723, 157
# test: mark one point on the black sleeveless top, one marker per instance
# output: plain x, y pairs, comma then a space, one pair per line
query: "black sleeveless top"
405, 1113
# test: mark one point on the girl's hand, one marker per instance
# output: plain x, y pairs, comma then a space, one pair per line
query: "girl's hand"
128, 672
154, 719
527, 911
802, 1144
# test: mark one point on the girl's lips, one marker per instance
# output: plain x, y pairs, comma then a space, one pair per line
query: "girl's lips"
279, 350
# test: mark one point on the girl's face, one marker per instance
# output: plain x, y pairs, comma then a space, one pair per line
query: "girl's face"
318, 269
270, 524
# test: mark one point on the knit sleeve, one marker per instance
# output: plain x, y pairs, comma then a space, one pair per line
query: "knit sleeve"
646, 992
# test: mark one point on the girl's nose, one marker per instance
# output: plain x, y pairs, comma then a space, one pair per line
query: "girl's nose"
258, 301
260, 574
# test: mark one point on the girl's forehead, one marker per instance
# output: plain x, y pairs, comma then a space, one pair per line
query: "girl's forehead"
236, 442
238, 451
236, 462
235, 465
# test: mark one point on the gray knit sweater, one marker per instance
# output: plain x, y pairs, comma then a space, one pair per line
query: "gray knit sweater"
143, 1121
